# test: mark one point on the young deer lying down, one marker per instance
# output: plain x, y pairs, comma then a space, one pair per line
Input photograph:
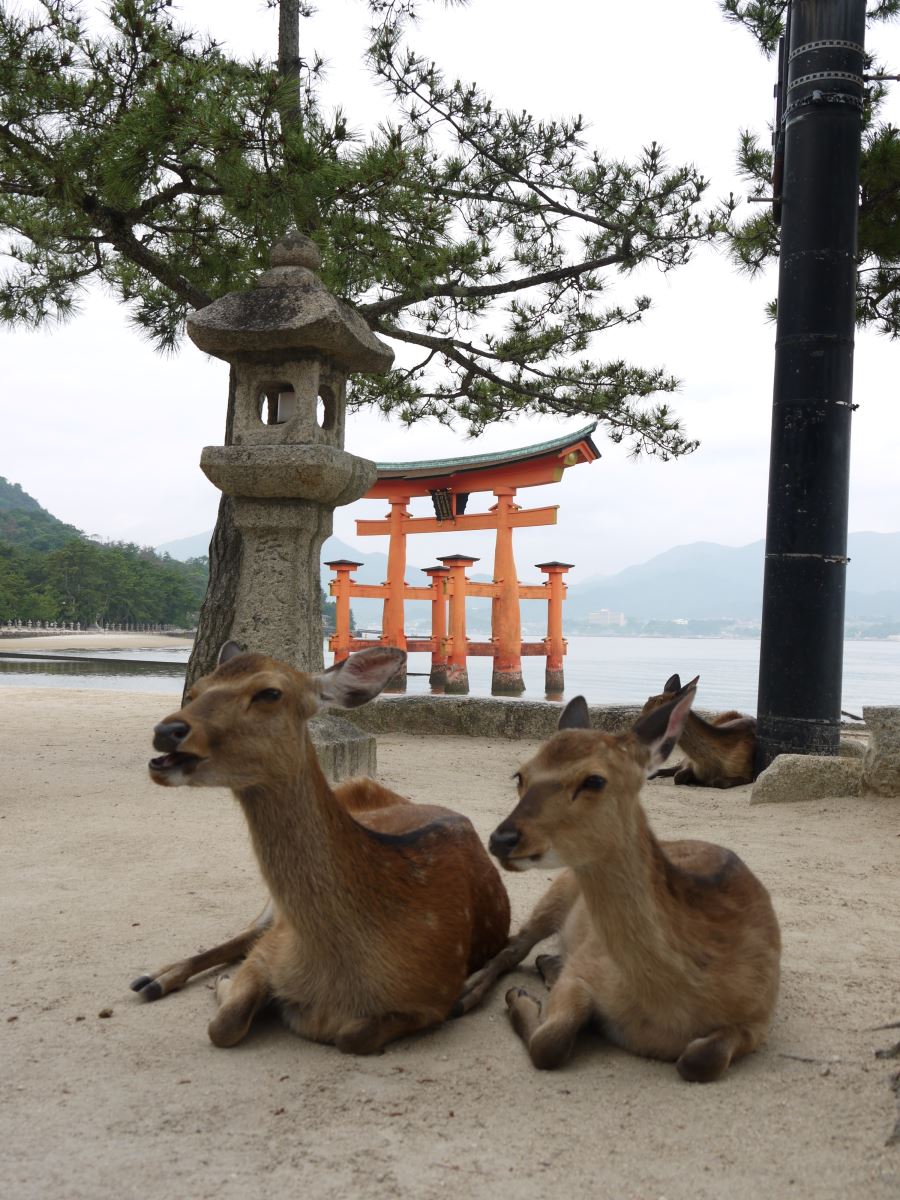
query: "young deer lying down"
718, 753
380, 907
672, 947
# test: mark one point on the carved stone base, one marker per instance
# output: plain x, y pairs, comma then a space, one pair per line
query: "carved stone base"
881, 769
343, 749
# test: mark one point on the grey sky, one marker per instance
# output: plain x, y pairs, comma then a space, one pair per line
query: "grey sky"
107, 434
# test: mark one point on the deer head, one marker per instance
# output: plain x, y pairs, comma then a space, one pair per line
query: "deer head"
578, 796
252, 710
671, 688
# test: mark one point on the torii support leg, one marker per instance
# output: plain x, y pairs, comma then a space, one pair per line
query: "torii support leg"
438, 674
457, 661
554, 679
340, 589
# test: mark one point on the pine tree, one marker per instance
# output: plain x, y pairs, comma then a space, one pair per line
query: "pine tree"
755, 242
147, 159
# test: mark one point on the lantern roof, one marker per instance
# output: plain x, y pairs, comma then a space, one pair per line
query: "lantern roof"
288, 313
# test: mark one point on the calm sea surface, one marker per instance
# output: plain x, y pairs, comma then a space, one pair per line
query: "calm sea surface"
606, 670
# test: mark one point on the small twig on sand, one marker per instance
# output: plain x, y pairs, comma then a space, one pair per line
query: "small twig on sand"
822, 1062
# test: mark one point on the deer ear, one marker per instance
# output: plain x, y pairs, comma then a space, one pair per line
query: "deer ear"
229, 651
672, 684
661, 729
360, 677
575, 715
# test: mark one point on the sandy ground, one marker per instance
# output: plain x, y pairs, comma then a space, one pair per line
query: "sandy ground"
93, 641
105, 875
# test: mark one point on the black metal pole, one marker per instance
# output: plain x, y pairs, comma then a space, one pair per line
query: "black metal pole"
801, 651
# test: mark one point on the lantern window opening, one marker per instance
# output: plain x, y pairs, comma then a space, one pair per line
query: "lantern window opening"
276, 403
326, 407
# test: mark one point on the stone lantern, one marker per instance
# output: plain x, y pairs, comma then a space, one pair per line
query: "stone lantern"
292, 346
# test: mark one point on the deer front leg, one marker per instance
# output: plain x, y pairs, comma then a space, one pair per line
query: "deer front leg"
549, 967
547, 918
240, 999
685, 775
174, 976
549, 1037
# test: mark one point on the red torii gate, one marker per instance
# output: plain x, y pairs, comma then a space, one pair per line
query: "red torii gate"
450, 483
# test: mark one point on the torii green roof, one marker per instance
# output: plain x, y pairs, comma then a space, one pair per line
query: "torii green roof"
471, 462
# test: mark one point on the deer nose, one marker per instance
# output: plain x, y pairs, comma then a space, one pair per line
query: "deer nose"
503, 841
169, 735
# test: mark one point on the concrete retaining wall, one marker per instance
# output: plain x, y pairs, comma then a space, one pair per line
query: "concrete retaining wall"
473, 716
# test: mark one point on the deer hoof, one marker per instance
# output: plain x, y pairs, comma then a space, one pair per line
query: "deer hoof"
147, 987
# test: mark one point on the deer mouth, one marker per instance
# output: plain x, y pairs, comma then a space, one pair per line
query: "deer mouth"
167, 766
518, 862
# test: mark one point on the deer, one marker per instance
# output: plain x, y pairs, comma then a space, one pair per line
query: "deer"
719, 753
672, 948
379, 908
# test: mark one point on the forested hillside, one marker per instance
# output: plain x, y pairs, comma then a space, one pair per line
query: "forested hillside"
50, 571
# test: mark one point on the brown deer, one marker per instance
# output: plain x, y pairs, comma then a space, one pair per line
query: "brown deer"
718, 753
672, 947
380, 907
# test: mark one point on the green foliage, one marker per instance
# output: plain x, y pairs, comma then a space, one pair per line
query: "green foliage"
14, 498
765, 18
152, 162
755, 241
51, 572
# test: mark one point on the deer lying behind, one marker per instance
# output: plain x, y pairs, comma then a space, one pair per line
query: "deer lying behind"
673, 947
718, 753
381, 907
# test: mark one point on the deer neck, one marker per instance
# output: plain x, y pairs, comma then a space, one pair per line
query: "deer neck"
309, 848
625, 894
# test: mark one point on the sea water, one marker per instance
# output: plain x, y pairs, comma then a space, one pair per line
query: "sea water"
606, 670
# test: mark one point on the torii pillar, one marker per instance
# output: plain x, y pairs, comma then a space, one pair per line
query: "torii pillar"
458, 658
438, 576
506, 621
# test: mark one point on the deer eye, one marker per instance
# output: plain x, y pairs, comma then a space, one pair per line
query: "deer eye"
593, 783
267, 694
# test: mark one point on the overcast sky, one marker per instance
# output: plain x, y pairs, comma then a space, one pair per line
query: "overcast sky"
107, 434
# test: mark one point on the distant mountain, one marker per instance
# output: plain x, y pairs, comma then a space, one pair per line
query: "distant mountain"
24, 523
704, 580
50, 571
196, 546
699, 581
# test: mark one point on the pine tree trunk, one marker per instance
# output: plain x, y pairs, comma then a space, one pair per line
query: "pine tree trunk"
217, 610
225, 548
